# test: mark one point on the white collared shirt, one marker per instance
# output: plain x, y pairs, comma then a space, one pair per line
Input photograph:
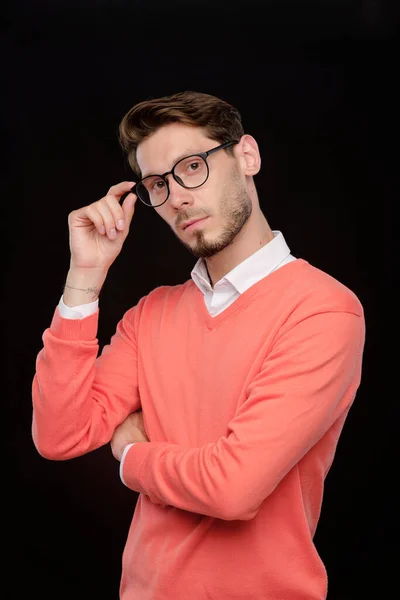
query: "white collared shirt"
270, 257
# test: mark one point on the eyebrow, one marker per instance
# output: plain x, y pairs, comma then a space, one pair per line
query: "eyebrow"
188, 152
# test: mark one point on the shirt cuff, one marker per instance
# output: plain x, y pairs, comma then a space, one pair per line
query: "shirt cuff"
77, 312
121, 465
133, 465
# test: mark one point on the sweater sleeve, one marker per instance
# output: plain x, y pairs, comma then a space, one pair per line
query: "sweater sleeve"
78, 397
308, 380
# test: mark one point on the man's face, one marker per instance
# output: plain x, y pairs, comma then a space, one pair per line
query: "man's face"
223, 201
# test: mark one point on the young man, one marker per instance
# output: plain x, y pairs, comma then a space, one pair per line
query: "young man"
223, 397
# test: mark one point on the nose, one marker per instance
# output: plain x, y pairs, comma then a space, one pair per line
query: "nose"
178, 195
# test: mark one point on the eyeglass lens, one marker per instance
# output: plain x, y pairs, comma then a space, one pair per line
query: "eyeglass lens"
190, 172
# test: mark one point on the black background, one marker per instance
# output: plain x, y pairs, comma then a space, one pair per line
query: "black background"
316, 86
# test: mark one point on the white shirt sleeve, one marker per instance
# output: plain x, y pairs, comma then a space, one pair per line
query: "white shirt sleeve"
121, 465
77, 312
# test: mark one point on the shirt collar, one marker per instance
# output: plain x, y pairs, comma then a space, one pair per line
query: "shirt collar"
249, 271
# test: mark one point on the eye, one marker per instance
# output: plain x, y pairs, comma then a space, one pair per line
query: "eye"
159, 185
193, 166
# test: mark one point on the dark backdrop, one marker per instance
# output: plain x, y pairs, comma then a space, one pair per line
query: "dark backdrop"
316, 85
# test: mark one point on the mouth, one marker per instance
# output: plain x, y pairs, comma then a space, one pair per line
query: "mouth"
193, 224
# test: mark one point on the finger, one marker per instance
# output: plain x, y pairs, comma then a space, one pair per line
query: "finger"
120, 188
93, 214
137, 420
108, 218
116, 210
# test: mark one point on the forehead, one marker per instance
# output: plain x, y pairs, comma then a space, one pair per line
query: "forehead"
158, 152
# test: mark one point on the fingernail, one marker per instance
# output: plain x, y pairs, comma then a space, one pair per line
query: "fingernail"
121, 224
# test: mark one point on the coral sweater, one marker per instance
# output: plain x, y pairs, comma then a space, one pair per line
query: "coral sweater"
243, 411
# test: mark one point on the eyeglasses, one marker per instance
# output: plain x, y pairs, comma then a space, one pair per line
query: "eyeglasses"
190, 172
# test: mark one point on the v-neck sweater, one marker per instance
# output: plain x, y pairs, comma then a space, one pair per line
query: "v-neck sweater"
243, 411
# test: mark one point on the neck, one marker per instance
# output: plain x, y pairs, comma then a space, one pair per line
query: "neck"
255, 234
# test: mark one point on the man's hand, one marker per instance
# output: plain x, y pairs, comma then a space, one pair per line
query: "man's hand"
129, 431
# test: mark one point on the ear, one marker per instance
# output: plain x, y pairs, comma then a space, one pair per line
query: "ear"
249, 155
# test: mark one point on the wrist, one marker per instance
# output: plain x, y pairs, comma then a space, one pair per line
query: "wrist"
87, 272
83, 286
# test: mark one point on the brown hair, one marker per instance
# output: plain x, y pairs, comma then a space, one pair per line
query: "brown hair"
219, 119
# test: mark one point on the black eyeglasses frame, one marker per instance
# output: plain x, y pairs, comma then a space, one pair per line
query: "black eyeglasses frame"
203, 155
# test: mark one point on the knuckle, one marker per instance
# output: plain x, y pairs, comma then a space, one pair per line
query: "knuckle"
112, 190
91, 212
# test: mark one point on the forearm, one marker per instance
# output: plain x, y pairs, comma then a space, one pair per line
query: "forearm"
79, 398
59, 362
280, 420
62, 387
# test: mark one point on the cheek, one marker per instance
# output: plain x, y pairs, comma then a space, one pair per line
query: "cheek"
209, 197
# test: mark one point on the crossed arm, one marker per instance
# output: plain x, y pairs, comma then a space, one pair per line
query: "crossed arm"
307, 383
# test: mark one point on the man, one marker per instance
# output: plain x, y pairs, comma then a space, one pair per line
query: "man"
223, 397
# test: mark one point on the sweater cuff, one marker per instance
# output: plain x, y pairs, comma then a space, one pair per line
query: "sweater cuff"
74, 329
132, 473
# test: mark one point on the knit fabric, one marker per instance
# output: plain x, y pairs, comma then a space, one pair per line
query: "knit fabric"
243, 411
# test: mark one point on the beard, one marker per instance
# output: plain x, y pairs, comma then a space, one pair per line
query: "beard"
235, 208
